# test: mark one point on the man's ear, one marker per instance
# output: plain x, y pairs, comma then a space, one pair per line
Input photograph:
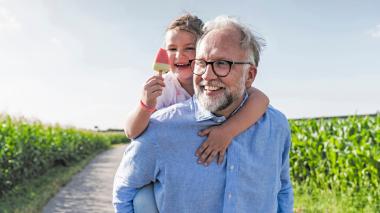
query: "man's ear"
251, 75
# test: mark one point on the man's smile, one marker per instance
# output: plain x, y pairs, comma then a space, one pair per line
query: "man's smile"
211, 89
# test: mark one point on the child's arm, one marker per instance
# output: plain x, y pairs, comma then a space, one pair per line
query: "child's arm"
138, 120
220, 137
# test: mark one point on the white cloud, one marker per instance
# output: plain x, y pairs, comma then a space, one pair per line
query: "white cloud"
7, 20
375, 32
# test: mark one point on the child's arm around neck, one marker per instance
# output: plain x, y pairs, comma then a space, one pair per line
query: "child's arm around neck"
220, 137
249, 114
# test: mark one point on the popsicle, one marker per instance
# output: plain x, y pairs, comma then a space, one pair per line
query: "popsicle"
161, 64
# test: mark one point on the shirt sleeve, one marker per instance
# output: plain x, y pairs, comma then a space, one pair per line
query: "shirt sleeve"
285, 196
137, 169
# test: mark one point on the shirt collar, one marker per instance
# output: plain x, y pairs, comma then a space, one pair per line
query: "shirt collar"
201, 114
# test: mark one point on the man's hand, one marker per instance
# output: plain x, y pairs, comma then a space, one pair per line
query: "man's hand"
152, 89
215, 145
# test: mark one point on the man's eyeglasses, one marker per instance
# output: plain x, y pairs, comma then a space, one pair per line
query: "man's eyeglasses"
221, 68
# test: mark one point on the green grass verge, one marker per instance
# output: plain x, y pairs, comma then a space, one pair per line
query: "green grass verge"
316, 200
32, 195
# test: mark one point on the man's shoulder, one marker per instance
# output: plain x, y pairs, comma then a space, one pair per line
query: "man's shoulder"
276, 118
169, 118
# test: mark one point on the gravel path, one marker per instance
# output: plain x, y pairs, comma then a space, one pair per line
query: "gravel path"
91, 189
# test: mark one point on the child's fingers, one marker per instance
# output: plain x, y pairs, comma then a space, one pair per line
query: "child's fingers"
158, 79
155, 94
201, 149
211, 157
204, 132
150, 95
221, 157
153, 82
149, 79
155, 77
204, 156
154, 88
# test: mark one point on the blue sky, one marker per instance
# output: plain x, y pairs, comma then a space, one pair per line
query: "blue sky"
83, 62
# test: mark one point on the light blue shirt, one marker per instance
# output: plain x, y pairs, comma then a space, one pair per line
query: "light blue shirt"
254, 176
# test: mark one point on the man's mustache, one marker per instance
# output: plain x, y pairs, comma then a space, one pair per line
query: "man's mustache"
213, 83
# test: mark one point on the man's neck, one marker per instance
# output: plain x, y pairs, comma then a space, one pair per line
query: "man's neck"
231, 108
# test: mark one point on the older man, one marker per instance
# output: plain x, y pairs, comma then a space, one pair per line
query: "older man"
254, 176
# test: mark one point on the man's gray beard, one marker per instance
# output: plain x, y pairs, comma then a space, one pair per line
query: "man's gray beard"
216, 105
222, 102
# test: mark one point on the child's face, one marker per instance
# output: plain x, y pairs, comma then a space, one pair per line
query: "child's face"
180, 46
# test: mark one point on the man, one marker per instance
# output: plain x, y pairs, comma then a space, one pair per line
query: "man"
254, 176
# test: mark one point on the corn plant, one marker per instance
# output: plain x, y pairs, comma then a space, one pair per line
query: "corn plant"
337, 154
29, 148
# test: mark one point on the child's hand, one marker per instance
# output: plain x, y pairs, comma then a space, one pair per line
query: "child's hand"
214, 146
152, 89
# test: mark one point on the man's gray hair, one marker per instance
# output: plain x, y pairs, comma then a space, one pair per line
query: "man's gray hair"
249, 42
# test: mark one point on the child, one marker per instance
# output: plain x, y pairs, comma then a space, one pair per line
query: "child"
177, 86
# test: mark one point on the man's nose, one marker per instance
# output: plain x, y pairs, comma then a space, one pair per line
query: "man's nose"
209, 73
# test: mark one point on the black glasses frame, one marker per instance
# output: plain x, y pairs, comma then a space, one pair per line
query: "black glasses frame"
230, 63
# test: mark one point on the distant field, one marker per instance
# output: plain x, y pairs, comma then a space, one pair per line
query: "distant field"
29, 148
335, 161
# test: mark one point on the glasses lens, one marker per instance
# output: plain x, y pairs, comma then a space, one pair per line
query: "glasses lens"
200, 63
198, 66
222, 67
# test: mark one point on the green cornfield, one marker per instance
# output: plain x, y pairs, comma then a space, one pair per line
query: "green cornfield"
338, 154
29, 148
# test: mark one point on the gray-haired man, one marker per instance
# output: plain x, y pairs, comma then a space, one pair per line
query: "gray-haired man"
254, 177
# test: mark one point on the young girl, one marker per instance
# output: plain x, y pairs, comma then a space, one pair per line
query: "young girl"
177, 86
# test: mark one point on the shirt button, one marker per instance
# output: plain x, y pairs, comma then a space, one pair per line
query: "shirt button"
229, 195
232, 167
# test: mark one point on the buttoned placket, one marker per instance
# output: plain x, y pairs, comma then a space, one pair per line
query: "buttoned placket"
231, 179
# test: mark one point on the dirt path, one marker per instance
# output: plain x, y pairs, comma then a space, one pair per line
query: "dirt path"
91, 189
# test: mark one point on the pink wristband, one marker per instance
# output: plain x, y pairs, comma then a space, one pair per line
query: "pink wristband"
147, 108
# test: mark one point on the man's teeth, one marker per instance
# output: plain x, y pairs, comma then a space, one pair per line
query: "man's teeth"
212, 88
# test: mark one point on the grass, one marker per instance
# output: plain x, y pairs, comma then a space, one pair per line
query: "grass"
32, 195
306, 201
